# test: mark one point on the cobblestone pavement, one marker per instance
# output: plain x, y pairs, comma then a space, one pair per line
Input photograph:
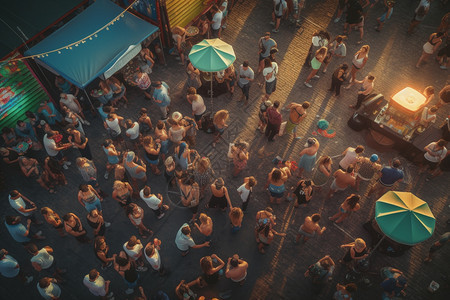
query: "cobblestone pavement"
278, 274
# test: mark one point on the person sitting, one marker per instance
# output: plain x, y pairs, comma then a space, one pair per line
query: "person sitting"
394, 283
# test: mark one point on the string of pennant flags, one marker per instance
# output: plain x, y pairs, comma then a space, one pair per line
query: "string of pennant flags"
77, 43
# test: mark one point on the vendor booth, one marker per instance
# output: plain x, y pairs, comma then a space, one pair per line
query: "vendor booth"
96, 43
396, 123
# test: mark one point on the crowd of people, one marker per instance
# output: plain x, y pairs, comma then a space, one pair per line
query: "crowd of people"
138, 149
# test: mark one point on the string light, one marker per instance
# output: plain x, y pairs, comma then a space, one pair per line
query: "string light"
69, 47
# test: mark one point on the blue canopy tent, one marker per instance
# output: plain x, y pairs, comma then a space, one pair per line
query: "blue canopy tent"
109, 50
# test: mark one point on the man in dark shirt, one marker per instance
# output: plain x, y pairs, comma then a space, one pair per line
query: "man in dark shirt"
389, 176
274, 122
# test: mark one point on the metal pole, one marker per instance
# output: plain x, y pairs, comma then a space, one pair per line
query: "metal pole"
378, 244
90, 102
211, 91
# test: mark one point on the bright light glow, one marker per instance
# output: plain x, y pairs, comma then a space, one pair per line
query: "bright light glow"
409, 99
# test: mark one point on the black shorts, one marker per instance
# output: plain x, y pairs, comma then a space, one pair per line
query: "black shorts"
194, 209
431, 164
278, 17
198, 117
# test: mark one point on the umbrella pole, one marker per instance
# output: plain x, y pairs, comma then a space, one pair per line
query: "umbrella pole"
378, 244
211, 91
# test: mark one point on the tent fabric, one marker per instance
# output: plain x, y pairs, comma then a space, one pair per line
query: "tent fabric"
85, 62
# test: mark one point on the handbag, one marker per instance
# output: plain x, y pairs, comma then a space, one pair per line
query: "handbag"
282, 127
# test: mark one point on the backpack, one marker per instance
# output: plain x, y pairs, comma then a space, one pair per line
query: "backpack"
207, 123
316, 273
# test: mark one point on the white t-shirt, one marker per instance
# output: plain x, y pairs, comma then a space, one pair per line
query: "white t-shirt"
198, 105
349, 158
43, 258
152, 202
114, 125
244, 192
154, 260
217, 20
134, 252
49, 292
50, 146
70, 103
97, 287
183, 241
17, 204
134, 132
273, 69
282, 7
440, 154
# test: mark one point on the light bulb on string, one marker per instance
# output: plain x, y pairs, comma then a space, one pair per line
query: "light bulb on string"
90, 38
107, 28
95, 35
70, 48
59, 52
76, 45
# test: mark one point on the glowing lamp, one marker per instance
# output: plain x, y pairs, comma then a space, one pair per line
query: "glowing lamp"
409, 99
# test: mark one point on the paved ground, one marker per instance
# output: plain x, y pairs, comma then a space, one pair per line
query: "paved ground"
279, 273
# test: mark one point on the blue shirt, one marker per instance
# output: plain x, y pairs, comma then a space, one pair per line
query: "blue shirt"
17, 232
8, 267
390, 175
161, 95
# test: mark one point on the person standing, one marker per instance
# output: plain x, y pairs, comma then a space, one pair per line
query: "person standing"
430, 47
198, 105
366, 88
97, 223
220, 123
101, 252
342, 180
245, 191
236, 216
133, 248
54, 150
246, 76
270, 73
366, 168
274, 121
347, 207
434, 153
136, 215
321, 271
151, 252
72, 103
79, 141
144, 83
297, 112
356, 252
48, 288
351, 156
19, 232
443, 239
43, 260
316, 63
265, 44
89, 198
97, 285
205, 227
358, 62
17, 201
310, 228
155, 202
419, 14
184, 241
236, 269
73, 226
240, 156
112, 125
133, 133
308, 156
335, 49
216, 22
126, 268
279, 10
161, 97
388, 177
338, 78
113, 156
10, 268
54, 220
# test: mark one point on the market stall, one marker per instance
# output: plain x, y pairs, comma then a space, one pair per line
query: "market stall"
88, 47
396, 123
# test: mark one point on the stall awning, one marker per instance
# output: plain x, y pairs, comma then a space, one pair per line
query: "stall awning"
181, 12
85, 62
